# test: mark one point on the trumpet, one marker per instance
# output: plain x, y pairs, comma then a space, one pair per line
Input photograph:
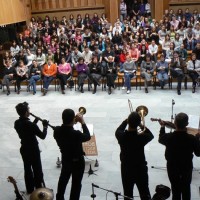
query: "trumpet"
53, 127
82, 111
168, 124
142, 111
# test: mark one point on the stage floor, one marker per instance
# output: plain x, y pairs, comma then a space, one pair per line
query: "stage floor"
105, 112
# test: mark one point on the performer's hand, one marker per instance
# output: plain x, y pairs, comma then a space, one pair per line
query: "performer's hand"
79, 118
45, 123
161, 123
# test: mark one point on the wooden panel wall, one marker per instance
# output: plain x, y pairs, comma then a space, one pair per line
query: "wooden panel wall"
61, 8
13, 11
183, 4
160, 7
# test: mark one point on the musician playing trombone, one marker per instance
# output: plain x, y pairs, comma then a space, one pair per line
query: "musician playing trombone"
29, 150
180, 147
133, 163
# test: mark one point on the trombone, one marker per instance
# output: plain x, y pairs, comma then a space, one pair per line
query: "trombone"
142, 111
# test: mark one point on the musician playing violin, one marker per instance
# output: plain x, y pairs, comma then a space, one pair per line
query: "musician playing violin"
180, 147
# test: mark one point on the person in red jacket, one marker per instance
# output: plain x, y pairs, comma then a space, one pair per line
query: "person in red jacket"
49, 72
122, 59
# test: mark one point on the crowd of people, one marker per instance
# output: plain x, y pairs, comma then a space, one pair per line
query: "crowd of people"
90, 48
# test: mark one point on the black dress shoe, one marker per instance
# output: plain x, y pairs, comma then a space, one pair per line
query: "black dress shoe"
94, 91
34, 93
146, 90
63, 92
193, 90
178, 92
8, 93
18, 91
109, 91
82, 91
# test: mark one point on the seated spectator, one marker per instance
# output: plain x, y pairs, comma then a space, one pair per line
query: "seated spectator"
35, 75
122, 59
8, 75
83, 72
193, 68
95, 73
68, 56
134, 53
181, 32
177, 70
64, 74
117, 39
49, 73
143, 52
162, 33
107, 53
197, 31
57, 57
129, 72
97, 53
174, 22
147, 71
154, 36
111, 73
86, 36
21, 56
30, 58
87, 55
47, 38
187, 14
49, 55
197, 51
32, 47
21, 74
169, 53
153, 50
172, 33
14, 49
76, 54
162, 71
183, 52
118, 28
165, 44
177, 42
40, 57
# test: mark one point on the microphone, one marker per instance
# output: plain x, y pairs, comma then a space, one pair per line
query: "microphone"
173, 102
93, 185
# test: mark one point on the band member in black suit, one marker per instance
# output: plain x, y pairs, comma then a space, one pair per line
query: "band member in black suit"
29, 150
180, 147
70, 144
133, 163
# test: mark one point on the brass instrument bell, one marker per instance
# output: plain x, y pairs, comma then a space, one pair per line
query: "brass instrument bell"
82, 110
142, 111
42, 194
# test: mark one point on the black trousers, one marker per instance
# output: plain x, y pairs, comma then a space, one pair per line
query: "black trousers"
179, 75
180, 179
135, 175
63, 80
71, 168
19, 79
194, 76
33, 174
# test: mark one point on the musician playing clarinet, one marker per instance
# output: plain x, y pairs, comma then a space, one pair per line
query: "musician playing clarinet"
180, 147
70, 144
134, 168
27, 131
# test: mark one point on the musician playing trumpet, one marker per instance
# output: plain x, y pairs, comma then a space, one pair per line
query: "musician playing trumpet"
70, 144
29, 150
180, 147
134, 168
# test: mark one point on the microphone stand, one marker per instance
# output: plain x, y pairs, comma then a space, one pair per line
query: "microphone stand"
117, 195
172, 116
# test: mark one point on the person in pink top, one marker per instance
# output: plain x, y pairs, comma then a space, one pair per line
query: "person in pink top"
47, 39
64, 74
134, 53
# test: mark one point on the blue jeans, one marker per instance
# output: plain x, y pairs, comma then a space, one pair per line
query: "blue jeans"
163, 78
47, 80
33, 80
128, 77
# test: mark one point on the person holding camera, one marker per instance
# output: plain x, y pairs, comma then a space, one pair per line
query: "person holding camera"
28, 132
134, 168
70, 144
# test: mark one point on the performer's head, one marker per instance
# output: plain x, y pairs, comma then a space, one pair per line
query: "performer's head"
23, 109
181, 121
68, 117
134, 120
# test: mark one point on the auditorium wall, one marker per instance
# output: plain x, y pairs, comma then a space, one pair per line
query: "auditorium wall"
14, 11
61, 8
183, 4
